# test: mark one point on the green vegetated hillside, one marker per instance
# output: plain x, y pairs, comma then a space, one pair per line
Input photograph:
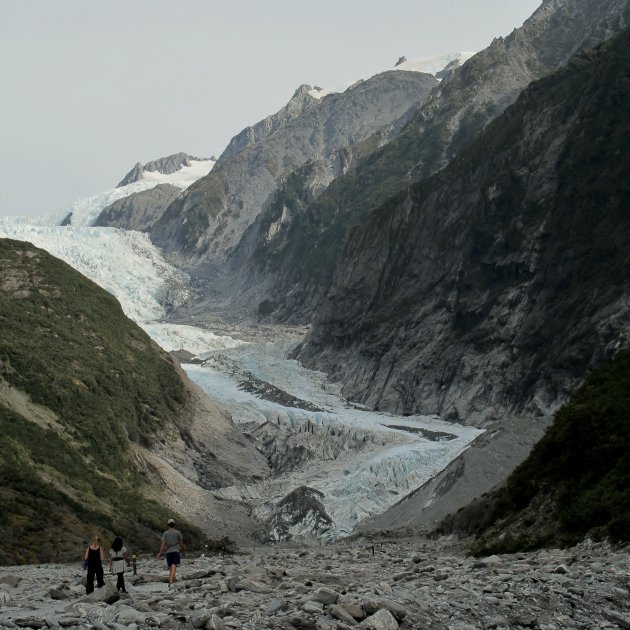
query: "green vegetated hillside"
576, 481
81, 386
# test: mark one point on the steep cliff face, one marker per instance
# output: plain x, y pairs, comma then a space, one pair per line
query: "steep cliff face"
299, 104
491, 287
297, 262
213, 214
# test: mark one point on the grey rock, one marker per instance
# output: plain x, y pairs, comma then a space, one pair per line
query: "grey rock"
621, 619
108, 594
5, 598
525, 621
215, 623
355, 609
300, 623
381, 620
245, 584
10, 580
374, 605
339, 612
313, 607
68, 622
275, 606
30, 622
56, 593
325, 595
127, 615
200, 617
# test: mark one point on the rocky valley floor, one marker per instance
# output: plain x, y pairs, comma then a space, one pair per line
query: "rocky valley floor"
394, 583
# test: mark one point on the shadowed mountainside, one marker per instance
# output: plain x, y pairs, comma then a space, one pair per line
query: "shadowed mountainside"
575, 481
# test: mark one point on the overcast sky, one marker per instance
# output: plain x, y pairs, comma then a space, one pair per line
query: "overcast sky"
90, 87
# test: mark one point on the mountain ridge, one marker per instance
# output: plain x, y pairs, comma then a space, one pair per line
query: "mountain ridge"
210, 217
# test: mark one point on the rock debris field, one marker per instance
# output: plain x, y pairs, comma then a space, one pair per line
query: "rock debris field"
397, 583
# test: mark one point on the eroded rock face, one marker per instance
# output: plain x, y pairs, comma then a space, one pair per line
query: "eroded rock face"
300, 514
381, 584
295, 267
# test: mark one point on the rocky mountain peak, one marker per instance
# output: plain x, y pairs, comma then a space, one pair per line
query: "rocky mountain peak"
302, 92
165, 165
300, 102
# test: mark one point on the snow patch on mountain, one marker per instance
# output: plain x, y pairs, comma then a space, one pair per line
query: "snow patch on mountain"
184, 177
436, 64
84, 212
430, 65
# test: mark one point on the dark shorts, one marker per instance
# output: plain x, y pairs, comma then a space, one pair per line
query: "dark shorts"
172, 557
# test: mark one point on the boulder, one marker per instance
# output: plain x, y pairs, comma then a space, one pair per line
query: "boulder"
381, 620
326, 596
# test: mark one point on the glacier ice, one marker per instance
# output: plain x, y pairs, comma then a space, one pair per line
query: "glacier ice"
358, 478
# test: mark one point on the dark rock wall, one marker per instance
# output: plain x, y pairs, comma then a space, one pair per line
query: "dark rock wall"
491, 287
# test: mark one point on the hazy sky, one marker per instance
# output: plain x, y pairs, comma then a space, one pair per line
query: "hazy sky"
89, 87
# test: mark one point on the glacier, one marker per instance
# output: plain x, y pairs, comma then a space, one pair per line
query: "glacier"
362, 461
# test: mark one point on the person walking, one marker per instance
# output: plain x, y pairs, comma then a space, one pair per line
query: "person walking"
172, 543
117, 562
94, 556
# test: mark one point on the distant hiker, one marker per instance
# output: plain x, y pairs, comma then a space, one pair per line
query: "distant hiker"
94, 555
117, 562
172, 544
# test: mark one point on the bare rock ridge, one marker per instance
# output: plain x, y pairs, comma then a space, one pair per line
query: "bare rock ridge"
211, 216
300, 102
466, 268
165, 165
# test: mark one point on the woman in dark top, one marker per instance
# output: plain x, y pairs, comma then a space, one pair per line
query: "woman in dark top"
94, 555
117, 562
